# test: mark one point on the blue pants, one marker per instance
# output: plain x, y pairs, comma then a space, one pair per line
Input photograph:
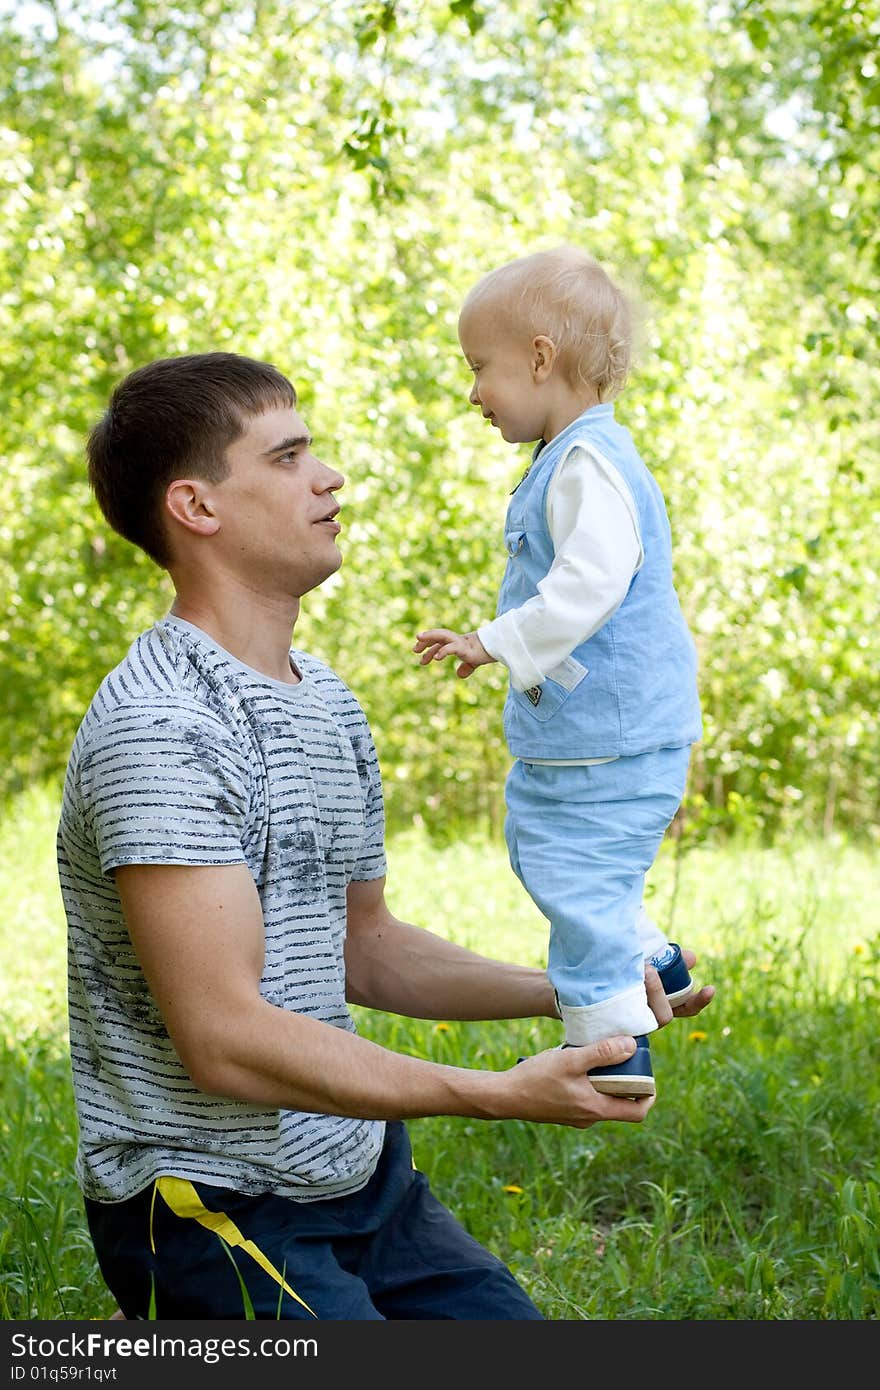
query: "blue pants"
581, 840
390, 1251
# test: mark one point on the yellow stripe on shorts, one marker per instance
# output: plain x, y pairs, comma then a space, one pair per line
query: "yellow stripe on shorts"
184, 1201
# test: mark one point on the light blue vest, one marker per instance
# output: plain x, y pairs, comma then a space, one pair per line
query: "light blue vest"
632, 687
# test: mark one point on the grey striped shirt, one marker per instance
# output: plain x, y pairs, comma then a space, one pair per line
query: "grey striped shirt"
186, 756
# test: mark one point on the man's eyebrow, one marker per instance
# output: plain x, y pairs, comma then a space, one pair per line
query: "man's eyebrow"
299, 441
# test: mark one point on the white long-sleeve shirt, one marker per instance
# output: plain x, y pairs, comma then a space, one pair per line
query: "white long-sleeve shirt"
593, 523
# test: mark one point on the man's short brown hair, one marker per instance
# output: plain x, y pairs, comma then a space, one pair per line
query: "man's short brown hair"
174, 417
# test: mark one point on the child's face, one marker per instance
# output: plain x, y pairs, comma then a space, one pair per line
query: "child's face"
501, 359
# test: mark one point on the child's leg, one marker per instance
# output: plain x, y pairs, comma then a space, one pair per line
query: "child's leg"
652, 939
582, 839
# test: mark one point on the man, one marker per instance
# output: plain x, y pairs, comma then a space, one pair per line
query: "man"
221, 857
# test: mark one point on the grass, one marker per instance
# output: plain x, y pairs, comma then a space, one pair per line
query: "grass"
752, 1192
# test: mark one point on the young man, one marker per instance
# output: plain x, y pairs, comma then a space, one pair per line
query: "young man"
221, 858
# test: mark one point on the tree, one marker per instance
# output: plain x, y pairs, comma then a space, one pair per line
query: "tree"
320, 186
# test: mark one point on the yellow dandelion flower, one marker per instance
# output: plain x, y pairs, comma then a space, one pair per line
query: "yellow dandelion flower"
697, 1036
512, 1188
859, 949
441, 1027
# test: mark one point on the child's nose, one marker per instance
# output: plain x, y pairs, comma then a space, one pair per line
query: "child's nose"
474, 397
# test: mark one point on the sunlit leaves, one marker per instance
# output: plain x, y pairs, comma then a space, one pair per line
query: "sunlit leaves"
319, 185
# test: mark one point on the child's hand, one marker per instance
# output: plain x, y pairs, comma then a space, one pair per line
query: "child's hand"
438, 643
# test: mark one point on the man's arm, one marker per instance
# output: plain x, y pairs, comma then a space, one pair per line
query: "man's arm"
403, 969
198, 933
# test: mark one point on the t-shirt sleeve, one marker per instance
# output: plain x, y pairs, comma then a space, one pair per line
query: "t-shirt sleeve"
371, 861
165, 783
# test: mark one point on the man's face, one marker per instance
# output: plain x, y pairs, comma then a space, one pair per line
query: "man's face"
276, 508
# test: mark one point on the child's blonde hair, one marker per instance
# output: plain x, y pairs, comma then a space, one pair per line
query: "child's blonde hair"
566, 295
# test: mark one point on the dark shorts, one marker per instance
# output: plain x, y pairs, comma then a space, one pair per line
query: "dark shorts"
189, 1250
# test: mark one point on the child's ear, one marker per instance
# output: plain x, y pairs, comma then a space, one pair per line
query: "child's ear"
543, 357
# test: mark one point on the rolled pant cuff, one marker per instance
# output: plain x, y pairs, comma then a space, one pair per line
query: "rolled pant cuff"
627, 1012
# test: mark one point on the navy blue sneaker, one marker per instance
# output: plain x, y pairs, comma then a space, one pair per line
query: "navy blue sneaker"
674, 974
633, 1078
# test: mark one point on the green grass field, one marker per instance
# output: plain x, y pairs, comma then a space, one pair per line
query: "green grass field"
751, 1192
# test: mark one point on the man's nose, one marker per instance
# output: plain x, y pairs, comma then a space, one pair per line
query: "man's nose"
329, 480
474, 397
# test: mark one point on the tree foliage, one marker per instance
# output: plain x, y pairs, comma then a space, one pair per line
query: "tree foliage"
319, 185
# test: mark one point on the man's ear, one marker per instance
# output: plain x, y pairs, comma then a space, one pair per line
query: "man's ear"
188, 502
543, 357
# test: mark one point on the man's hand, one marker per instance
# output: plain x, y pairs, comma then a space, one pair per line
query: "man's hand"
688, 1008
439, 642
553, 1087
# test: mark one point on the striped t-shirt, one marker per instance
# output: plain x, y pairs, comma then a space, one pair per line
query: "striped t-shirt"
186, 756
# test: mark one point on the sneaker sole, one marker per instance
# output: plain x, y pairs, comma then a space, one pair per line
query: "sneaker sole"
681, 994
626, 1087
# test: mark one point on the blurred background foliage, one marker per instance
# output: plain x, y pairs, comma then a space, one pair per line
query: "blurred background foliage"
318, 185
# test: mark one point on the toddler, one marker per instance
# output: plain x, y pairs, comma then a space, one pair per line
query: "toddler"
602, 705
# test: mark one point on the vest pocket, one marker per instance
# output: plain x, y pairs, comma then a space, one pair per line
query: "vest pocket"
542, 701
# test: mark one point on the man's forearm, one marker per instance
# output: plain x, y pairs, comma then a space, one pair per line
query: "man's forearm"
288, 1061
404, 969
267, 1056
